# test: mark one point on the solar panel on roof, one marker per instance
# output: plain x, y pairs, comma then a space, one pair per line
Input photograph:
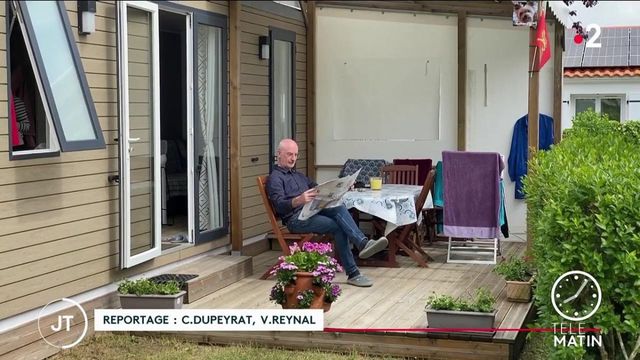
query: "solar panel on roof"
573, 52
614, 50
634, 55
634, 36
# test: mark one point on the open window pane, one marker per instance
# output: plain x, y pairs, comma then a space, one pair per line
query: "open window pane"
31, 128
62, 75
611, 107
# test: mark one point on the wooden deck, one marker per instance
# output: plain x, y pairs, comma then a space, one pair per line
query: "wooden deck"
396, 300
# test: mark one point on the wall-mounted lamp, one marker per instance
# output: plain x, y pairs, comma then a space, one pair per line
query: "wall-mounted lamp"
263, 52
86, 16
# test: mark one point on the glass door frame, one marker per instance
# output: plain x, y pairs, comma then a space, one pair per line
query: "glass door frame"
124, 139
219, 21
189, 15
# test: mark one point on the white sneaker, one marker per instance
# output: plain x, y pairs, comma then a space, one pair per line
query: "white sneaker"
373, 247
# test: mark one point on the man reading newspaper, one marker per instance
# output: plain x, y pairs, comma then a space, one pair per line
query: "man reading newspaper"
290, 190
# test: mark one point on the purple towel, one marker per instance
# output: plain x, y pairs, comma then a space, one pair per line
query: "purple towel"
424, 166
471, 194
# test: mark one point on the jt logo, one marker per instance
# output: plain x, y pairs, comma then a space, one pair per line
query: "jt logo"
68, 319
72, 324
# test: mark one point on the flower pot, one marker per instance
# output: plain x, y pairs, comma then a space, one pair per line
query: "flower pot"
303, 282
132, 301
461, 320
326, 306
519, 291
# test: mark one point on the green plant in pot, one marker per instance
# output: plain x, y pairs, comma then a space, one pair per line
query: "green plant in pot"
445, 311
146, 294
304, 279
519, 277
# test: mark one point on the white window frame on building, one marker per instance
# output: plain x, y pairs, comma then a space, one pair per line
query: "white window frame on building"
60, 81
598, 103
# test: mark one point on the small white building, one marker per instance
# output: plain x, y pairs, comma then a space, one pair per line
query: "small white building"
606, 79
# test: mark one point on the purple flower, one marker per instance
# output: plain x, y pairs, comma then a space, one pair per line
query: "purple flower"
320, 248
294, 248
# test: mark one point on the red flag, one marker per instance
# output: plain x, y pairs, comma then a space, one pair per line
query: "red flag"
542, 42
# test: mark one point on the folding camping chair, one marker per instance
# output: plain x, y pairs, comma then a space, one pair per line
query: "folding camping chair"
400, 174
401, 237
280, 233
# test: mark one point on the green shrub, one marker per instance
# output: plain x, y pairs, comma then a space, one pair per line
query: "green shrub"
584, 214
514, 269
148, 287
483, 301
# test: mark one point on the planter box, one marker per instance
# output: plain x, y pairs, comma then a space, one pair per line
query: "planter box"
129, 301
519, 291
462, 319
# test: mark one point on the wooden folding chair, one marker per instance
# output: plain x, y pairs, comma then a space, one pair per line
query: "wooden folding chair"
280, 232
400, 174
401, 237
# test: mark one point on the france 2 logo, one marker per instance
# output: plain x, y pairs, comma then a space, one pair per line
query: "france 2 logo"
591, 42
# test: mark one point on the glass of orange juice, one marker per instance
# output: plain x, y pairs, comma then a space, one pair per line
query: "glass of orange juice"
376, 183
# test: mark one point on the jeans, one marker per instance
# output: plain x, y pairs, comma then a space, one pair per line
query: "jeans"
338, 222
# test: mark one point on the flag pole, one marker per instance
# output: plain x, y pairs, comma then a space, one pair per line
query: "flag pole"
533, 63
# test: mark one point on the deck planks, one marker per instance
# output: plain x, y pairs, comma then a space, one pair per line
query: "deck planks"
396, 300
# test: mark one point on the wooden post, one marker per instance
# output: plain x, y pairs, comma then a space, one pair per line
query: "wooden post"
533, 115
234, 126
462, 80
311, 89
534, 85
557, 81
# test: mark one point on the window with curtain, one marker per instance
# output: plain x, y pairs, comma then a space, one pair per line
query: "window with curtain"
211, 149
282, 74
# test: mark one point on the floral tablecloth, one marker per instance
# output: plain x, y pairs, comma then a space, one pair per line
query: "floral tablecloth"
394, 203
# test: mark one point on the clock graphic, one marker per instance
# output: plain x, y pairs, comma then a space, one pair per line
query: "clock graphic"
576, 295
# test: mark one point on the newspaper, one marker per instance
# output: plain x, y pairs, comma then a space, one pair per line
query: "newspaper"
329, 194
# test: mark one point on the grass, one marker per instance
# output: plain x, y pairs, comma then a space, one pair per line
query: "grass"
535, 347
122, 346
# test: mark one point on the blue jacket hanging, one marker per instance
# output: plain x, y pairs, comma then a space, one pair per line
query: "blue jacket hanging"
518, 155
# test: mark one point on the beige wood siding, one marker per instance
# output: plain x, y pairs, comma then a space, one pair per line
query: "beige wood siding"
254, 111
59, 233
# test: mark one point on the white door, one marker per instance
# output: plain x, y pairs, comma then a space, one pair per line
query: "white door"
139, 136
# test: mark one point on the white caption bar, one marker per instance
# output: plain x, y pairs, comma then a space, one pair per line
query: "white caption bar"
209, 320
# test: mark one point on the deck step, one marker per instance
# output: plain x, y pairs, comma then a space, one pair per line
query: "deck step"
214, 273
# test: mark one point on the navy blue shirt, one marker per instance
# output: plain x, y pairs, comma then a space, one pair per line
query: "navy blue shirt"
282, 186
519, 154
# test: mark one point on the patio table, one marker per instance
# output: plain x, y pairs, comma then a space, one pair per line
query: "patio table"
394, 203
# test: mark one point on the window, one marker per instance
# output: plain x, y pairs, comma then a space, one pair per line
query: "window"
48, 89
283, 90
604, 104
292, 4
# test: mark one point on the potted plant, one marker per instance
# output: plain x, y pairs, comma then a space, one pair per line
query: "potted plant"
445, 311
331, 293
519, 277
146, 294
304, 278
